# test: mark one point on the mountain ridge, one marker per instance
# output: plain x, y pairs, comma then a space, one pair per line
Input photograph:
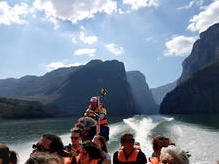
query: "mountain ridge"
70, 89
197, 89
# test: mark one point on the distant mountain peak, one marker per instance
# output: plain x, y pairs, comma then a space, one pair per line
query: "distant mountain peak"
94, 62
144, 101
211, 30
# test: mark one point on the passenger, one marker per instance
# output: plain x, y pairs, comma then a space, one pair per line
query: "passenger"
90, 154
97, 111
43, 158
128, 153
158, 142
75, 147
100, 141
173, 155
7, 156
52, 144
88, 127
49, 143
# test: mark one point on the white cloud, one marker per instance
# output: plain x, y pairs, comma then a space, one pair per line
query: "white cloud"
85, 51
136, 4
56, 65
121, 11
206, 18
114, 49
87, 39
83, 37
74, 40
192, 3
75, 10
13, 14
179, 46
55, 22
82, 28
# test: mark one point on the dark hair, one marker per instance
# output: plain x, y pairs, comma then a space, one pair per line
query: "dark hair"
124, 135
56, 143
160, 141
7, 155
76, 130
93, 151
42, 158
103, 142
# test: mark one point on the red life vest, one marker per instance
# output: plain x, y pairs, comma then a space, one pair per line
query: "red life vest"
131, 158
154, 160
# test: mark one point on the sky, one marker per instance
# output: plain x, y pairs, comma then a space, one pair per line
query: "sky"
152, 36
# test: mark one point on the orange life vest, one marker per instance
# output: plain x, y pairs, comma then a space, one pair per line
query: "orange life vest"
131, 158
104, 122
67, 160
135, 147
89, 113
76, 150
94, 161
154, 160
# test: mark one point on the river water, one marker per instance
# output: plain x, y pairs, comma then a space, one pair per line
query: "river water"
197, 134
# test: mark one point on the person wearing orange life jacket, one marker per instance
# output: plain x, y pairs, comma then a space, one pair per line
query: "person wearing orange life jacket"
128, 153
90, 154
158, 143
75, 147
97, 111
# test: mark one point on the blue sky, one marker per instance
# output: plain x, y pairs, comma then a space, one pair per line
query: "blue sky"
152, 36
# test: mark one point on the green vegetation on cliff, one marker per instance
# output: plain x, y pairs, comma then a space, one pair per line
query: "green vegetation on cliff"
198, 94
14, 108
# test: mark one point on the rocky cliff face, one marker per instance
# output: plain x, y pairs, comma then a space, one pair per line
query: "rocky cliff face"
86, 82
205, 50
144, 101
160, 92
197, 94
71, 88
197, 90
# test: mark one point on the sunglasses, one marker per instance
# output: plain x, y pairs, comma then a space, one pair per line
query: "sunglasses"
40, 148
74, 138
128, 140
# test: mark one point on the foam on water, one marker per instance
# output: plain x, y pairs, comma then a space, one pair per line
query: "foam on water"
66, 138
142, 127
24, 151
201, 142
116, 130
